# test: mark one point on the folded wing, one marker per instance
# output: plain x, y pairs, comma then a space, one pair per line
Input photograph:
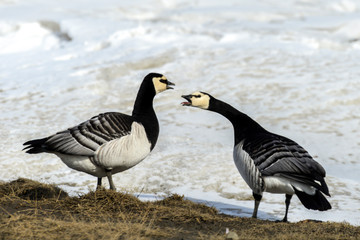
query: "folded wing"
86, 137
275, 155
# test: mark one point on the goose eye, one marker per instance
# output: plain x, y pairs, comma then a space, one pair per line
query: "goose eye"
163, 81
197, 96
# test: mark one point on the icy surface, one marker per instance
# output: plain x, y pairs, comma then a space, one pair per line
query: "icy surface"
291, 65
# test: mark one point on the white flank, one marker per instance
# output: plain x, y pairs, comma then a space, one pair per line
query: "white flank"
117, 155
275, 184
81, 163
124, 153
246, 167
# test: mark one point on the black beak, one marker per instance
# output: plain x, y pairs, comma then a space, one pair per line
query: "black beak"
170, 84
188, 98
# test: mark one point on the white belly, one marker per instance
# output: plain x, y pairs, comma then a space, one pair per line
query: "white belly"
116, 155
121, 154
82, 163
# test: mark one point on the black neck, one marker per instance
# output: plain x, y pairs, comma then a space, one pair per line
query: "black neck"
144, 113
242, 123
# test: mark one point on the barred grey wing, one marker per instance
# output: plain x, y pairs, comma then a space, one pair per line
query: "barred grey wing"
86, 137
275, 155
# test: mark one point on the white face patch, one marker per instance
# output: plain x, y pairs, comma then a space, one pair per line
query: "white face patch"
158, 85
200, 100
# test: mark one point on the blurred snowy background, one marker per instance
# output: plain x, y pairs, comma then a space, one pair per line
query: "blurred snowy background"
291, 65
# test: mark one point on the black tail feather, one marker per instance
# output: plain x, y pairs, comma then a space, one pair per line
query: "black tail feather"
324, 188
36, 146
315, 202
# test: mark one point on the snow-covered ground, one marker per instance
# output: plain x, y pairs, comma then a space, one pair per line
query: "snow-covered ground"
291, 65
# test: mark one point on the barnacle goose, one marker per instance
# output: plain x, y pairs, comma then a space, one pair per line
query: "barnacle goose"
269, 162
110, 142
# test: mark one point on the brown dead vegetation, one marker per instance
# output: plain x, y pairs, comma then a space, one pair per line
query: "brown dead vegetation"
32, 210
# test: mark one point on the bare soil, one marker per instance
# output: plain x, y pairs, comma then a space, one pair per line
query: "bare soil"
32, 210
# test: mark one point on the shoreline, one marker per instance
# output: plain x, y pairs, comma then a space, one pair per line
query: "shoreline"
42, 211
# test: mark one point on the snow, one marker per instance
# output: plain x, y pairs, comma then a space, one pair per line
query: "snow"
291, 65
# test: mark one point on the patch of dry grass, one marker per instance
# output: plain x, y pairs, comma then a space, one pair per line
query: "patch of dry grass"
31, 210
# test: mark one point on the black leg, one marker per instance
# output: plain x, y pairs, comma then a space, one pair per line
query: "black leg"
98, 183
109, 176
287, 203
257, 198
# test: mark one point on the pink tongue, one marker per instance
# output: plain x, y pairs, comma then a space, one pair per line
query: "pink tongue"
186, 103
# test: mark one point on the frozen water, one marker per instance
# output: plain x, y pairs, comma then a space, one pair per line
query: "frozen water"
292, 65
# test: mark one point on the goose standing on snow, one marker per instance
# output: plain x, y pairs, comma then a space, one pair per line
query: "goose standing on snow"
269, 162
109, 142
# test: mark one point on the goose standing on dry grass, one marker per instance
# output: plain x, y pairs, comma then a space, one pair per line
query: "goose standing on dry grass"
109, 142
269, 162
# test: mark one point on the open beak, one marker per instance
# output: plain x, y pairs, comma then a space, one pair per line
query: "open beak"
188, 98
170, 84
